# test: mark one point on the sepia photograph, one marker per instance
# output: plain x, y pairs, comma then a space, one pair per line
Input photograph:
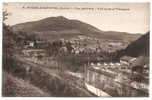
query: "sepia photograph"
73, 49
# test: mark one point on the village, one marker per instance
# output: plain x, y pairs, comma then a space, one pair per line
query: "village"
123, 77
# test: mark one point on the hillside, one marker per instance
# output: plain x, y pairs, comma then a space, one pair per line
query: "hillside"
139, 47
17, 87
61, 27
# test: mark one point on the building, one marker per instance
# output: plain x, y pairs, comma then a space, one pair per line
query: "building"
105, 80
29, 44
127, 60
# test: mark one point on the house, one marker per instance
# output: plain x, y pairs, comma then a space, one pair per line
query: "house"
92, 64
98, 64
111, 64
126, 60
29, 44
105, 64
118, 64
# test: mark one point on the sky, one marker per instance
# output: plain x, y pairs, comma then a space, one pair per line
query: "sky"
122, 17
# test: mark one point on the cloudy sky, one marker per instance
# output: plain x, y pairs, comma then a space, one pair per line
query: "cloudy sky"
123, 17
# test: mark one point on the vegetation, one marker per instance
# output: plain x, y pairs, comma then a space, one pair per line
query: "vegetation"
14, 42
139, 47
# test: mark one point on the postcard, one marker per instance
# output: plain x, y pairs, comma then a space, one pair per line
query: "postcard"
73, 49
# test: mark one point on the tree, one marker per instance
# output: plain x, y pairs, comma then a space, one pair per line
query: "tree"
69, 47
8, 44
5, 15
8, 41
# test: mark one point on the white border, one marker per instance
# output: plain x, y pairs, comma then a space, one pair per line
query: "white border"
48, 98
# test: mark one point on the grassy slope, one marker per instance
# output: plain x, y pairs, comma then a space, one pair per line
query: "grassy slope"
16, 87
